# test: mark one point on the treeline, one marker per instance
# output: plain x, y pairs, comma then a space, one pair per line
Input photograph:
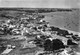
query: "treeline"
33, 10
53, 10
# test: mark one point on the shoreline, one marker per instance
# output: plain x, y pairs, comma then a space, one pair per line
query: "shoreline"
70, 31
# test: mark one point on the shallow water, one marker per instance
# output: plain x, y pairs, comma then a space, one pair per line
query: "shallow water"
68, 20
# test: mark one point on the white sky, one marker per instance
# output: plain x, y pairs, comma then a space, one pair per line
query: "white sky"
40, 3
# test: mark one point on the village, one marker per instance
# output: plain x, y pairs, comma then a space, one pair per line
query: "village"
30, 32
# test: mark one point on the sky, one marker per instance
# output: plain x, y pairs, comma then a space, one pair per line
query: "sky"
40, 3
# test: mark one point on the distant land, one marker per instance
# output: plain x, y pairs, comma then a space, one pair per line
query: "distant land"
64, 18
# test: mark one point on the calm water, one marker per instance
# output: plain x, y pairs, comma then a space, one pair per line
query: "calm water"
67, 21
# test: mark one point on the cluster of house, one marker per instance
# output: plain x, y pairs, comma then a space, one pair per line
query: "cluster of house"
48, 37
19, 26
